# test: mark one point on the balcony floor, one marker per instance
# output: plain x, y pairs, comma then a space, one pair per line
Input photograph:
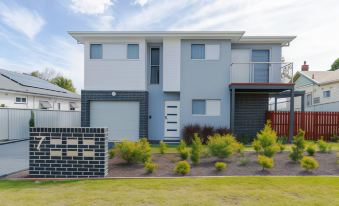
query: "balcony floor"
261, 87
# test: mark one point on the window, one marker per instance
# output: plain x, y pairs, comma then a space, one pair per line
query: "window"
20, 100
309, 100
45, 105
96, 51
206, 107
59, 106
198, 51
133, 51
316, 100
327, 93
155, 65
72, 106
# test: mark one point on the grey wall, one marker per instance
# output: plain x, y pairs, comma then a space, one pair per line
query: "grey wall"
205, 79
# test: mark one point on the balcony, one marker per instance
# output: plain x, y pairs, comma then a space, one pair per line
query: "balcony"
261, 72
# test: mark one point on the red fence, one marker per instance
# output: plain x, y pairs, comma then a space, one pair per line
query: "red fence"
315, 124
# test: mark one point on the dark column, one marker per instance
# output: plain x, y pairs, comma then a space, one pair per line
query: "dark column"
303, 103
291, 116
275, 103
232, 109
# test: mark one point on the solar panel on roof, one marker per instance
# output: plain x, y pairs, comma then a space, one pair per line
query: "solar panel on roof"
30, 81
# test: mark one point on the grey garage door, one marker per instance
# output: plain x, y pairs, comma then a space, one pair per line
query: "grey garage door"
121, 118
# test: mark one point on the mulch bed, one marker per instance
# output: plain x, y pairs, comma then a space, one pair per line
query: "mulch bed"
283, 166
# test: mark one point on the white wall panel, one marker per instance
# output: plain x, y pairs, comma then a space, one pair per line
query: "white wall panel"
171, 64
114, 51
212, 51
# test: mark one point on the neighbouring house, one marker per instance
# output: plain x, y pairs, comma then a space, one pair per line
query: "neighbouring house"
23, 91
321, 89
152, 84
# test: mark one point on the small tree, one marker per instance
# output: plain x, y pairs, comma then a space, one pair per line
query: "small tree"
323, 146
162, 147
335, 65
182, 168
183, 150
309, 163
265, 162
310, 149
32, 120
196, 149
134, 152
222, 146
266, 141
299, 146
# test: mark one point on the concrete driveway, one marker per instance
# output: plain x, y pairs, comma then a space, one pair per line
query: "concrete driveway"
13, 157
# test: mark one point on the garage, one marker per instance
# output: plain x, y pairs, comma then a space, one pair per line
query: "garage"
121, 118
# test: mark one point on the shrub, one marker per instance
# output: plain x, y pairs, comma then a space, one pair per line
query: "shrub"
243, 161
265, 162
189, 131
203, 132
281, 145
266, 141
309, 163
310, 149
133, 152
196, 149
299, 146
334, 138
222, 146
111, 153
31, 120
182, 168
162, 147
206, 131
183, 150
220, 166
324, 146
222, 131
150, 167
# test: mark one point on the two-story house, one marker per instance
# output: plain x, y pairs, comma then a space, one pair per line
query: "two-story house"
152, 84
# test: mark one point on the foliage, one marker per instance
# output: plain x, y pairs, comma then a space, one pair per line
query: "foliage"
323, 146
111, 153
32, 120
220, 166
298, 147
183, 150
162, 147
311, 149
196, 149
309, 163
222, 146
266, 141
182, 167
265, 162
150, 167
203, 132
243, 161
2, 105
335, 65
134, 152
63, 83
334, 138
281, 145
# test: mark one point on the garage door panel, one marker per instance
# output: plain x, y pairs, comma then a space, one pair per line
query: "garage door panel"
121, 118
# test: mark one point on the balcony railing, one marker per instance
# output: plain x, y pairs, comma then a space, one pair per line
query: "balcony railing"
250, 72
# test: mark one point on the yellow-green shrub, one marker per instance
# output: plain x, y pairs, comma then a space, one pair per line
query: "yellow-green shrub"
183, 150
309, 163
222, 146
310, 149
133, 152
220, 166
265, 162
196, 149
182, 167
323, 146
162, 147
111, 153
150, 167
266, 141
299, 146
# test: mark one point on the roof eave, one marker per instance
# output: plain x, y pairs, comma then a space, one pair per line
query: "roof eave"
282, 40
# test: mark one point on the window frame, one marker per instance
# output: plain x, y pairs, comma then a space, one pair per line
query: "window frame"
21, 98
311, 100
195, 114
204, 57
127, 46
90, 51
150, 65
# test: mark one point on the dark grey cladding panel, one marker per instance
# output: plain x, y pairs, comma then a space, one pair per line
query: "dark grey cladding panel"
102, 95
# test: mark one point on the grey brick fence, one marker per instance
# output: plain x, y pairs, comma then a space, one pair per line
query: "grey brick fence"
68, 152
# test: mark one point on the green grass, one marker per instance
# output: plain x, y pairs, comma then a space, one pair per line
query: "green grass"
185, 191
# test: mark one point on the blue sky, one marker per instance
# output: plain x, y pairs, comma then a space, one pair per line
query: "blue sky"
33, 33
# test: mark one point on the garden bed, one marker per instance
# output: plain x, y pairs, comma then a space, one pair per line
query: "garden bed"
282, 166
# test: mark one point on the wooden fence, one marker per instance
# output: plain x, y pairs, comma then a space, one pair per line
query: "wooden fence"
315, 124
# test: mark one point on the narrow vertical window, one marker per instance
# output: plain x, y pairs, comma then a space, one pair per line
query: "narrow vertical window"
96, 51
133, 51
198, 51
155, 65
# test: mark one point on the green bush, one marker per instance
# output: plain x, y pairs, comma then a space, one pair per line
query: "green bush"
220, 166
298, 147
222, 146
31, 120
323, 146
162, 147
266, 141
310, 149
111, 153
183, 150
265, 162
150, 167
281, 145
182, 167
196, 149
134, 152
309, 163
334, 138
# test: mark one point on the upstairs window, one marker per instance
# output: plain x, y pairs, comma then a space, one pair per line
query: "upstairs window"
198, 51
309, 100
327, 93
96, 51
133, 51
155, 66
20, 100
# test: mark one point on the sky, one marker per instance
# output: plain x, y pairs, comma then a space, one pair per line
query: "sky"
33, 33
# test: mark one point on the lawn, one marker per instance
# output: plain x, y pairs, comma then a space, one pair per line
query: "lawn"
179, 191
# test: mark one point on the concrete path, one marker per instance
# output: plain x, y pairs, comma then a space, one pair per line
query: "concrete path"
13, 157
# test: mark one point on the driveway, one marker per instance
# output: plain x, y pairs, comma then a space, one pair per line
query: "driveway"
13, 157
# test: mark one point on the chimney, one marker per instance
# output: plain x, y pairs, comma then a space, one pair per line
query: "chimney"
304, 67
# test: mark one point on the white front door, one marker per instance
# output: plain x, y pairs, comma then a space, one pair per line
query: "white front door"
172, 118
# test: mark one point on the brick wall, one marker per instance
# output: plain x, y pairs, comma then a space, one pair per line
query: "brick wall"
68, 152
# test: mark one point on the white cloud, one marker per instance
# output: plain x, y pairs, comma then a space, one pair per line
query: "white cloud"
141, 2
21, 19
91, 7
102, 23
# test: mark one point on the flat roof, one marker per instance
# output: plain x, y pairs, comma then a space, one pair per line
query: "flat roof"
234, 36
261, 87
